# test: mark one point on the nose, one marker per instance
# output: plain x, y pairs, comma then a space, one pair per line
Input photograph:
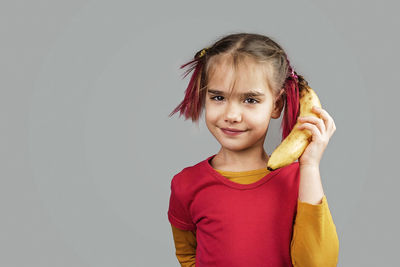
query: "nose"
233, 113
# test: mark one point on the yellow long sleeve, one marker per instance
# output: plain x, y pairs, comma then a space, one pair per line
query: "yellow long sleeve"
314, 241
185, 245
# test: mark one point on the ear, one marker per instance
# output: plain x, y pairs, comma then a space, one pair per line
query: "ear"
278, 104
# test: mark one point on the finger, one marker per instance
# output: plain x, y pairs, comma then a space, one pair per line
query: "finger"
328, 121
317, 121
314, 130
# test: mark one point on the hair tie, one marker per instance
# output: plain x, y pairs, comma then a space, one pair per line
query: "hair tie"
292, 74
203, 52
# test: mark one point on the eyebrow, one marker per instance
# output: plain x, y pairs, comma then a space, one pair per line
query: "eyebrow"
246, 94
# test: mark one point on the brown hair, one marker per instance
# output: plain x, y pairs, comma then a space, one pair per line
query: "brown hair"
239, 46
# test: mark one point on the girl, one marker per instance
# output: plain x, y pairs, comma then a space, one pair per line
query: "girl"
229, 209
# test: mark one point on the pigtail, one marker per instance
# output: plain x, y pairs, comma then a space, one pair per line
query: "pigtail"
191, 105
293, 86
292, 106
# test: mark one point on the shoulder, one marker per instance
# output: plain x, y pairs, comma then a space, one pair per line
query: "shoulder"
188, 175
186, 183
292, 166
292, 169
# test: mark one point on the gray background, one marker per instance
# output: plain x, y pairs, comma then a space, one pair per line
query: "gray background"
88, 150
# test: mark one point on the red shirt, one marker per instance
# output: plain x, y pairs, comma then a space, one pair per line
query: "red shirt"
237, 225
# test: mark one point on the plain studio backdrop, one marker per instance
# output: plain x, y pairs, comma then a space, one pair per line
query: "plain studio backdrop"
88, 150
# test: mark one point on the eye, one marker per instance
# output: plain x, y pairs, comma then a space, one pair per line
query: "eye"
256, 101
253, 101
213, 98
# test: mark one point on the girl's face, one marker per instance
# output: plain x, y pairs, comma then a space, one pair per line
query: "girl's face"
245, 104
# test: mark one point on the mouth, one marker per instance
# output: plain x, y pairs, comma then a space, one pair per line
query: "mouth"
231, 132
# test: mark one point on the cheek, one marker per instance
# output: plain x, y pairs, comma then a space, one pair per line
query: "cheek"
263, 117
210, 114
211, 110
260, 115
258, 120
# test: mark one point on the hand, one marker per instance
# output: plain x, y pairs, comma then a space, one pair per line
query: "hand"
322, 129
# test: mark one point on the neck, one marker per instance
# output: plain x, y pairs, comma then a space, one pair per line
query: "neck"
227, 160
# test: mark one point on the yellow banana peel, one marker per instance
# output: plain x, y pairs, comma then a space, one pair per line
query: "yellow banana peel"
291, 148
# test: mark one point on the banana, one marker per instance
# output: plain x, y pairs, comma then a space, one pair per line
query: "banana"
291, 148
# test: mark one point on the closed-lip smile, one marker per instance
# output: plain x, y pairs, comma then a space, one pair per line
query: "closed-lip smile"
232, 130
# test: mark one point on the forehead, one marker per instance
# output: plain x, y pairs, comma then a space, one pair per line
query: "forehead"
247, 75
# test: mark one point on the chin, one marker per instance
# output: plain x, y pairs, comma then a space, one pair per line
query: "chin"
233, 145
